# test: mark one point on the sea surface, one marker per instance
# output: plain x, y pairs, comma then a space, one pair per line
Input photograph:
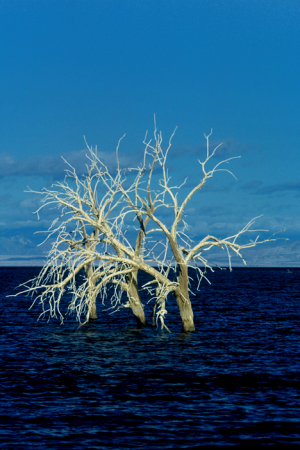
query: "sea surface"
233, 382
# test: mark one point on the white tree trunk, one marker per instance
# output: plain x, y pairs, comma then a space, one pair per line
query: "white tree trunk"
183, 301
135, 301
92, 314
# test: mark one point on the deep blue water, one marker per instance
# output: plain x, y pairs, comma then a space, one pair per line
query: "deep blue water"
234, 381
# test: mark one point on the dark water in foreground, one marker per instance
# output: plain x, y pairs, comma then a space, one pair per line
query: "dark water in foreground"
234, 381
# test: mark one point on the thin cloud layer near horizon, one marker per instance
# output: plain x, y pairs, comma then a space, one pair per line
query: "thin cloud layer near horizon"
102, 69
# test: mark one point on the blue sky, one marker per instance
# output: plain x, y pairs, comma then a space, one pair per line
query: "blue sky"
103, 68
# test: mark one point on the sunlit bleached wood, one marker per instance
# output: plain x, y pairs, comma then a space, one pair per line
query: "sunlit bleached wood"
89, 235
187, 256
94, 257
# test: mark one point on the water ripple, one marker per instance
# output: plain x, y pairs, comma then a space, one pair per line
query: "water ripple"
236, 380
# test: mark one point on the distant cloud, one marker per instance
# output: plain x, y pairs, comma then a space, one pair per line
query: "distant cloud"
17, 245
289, 186
258, 188
24, 224
55, 165
274, 254
33, 203
229, 186
229, 148
209, 211
252, 185
38, 165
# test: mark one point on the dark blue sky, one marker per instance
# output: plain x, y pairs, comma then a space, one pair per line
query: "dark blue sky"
103, 68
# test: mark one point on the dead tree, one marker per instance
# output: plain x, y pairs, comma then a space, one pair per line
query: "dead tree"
187, 256
91, 234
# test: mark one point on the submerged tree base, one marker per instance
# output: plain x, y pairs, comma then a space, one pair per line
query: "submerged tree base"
187, 327
93, 319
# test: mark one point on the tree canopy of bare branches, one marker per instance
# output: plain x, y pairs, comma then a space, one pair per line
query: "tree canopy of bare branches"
109, 226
